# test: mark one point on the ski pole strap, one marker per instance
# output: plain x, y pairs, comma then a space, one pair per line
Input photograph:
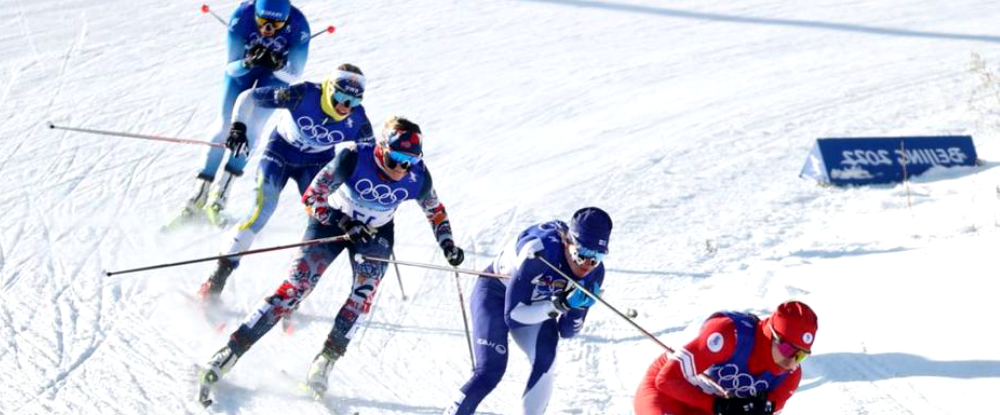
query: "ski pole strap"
579, 286
139, 136
434, 267
331, 239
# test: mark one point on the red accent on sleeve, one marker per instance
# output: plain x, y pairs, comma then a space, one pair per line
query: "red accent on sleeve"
674, 380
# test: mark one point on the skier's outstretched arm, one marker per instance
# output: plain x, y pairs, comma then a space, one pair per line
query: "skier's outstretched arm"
334, 174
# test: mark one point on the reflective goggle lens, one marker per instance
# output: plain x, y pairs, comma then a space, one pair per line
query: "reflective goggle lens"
275, 24
586, 256
789, 350
345, 98
401, 159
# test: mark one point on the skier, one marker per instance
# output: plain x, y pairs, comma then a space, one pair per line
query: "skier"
316, 118
536, 305
756, 361
268, 44
355, 195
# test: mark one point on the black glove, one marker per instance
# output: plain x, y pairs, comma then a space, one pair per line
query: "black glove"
255, 56
755, 405
237, 141
452, 253
273, 60
357, 231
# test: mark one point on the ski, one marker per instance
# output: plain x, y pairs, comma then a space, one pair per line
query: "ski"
319, 396
216, 315
206, 379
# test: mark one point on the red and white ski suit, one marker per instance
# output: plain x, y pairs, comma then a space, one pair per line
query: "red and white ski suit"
671, 384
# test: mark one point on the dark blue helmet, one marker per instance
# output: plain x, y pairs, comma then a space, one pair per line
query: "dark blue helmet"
590, 228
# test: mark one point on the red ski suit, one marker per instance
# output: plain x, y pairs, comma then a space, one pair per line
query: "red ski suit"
671, 384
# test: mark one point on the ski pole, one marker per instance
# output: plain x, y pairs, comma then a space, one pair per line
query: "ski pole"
465, 320
332, 239
329, 29
434, 267
139, 136
399, 277
590, 294
206, 9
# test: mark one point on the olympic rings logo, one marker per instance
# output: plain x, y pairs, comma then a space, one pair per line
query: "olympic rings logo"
277, 43
317, 132
383, 194
741, 385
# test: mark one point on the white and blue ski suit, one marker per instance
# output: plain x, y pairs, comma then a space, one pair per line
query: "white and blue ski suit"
522, 307
302, 142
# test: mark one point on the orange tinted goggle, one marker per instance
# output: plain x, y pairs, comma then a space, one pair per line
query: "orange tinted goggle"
275, 24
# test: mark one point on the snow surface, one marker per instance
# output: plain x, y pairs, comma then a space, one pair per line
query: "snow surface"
687, 120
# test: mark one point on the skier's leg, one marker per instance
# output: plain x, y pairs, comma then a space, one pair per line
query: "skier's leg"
366, 276
489, 332
271, 178
231, 89
305, 272
539, 343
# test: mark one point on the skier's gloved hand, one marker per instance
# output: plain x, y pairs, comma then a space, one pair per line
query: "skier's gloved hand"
452, 253
754, 405
357, 230
573, 298
237, 141
254, 56
273, 60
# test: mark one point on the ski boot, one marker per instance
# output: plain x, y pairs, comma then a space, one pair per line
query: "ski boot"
221, 362
210, 293
319, 372
213, 209
193, 208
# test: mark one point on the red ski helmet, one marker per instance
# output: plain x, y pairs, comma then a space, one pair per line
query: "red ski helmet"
794, 322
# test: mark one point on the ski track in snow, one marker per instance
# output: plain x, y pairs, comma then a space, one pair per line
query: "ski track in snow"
689, 123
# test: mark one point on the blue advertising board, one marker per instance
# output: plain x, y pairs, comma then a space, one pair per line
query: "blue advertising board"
876, 160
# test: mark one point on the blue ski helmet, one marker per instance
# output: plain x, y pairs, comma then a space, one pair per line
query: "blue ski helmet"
273, 9
590, 228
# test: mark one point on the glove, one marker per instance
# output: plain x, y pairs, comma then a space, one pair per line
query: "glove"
357, 231
273, 60
754, 405
575, 298
255, 55
237, 141
452, 253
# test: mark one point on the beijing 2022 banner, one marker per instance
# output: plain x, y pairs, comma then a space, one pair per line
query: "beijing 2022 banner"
879, 160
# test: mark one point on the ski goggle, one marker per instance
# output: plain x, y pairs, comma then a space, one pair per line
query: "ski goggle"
787, 349
584, 256
340, 97
276, 25
400, 159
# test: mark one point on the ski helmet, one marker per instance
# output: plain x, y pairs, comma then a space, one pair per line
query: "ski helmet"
401, 143
348, 79
277, 10
590, 229
796, 323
